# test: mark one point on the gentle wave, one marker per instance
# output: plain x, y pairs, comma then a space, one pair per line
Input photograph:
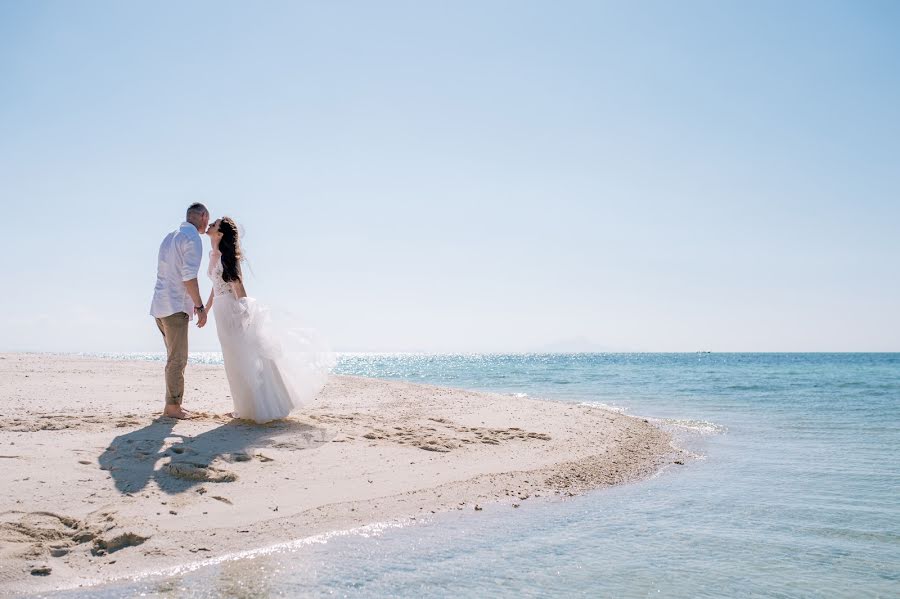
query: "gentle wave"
604, 406
369, 530
702, 427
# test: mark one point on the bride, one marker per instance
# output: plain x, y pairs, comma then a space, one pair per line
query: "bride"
270, 371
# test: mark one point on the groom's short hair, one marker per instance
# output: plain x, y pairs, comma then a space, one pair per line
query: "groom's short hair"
196, 209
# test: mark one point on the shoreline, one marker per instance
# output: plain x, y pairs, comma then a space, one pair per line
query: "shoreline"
102, 489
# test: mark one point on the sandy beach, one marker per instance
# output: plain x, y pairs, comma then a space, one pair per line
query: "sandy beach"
97, 486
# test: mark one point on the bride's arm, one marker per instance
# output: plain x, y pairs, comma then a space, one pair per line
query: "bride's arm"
209, 302
238, 288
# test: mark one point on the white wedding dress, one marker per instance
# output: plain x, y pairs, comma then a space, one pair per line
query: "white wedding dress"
271, 370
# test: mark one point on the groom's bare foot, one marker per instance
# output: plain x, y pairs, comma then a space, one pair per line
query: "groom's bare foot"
176, 412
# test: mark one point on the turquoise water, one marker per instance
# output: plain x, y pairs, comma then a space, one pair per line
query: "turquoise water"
797, 494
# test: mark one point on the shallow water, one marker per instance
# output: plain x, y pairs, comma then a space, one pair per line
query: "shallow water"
797, 493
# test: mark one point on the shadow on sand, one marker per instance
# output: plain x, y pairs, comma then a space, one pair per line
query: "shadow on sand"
133, 459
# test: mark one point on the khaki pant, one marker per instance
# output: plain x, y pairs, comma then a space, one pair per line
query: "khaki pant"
174, 329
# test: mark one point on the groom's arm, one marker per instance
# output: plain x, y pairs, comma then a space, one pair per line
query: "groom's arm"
193, 289
193, 250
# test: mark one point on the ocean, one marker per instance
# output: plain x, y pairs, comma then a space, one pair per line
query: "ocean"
795, 492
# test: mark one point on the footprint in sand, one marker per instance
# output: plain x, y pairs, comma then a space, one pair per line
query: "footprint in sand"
56, 422
199, 472
42, 533
117, 543
237, 457
431, 439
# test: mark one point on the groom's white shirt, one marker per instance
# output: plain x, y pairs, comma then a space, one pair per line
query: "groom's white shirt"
179, 261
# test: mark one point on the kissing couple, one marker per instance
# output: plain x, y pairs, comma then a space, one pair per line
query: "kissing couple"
271, 370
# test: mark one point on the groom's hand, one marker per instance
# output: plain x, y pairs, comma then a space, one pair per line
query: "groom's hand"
201, 318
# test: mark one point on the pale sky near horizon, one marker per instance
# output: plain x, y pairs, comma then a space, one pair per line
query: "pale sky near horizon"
464, 176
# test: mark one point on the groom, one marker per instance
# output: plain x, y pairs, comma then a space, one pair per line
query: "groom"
176, 298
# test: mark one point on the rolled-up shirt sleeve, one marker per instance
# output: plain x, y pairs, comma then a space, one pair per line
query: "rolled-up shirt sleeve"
192, 252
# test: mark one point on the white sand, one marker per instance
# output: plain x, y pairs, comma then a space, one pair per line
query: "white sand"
95, 486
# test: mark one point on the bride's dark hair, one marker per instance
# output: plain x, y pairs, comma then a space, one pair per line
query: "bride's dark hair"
230, 246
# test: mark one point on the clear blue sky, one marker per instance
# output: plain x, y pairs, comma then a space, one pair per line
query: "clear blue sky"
461, 176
